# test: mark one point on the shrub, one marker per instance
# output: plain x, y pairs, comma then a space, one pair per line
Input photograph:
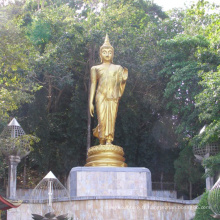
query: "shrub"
203, 212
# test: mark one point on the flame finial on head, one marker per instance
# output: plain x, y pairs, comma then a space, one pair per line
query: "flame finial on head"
106, 43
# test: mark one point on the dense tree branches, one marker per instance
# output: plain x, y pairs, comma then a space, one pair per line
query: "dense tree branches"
171, 93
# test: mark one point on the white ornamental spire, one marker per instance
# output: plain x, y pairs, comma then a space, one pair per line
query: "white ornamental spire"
14, 122
50, 175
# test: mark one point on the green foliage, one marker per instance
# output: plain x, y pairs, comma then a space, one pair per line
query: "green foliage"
212, 164
213, 200
203, 212
17, 146
181, 67
54, 45
3, 173
16, 85
208, 103
188, 58
64, 39
40, 33
187, 170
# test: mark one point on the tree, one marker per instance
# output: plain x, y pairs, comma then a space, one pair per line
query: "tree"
61, 103
16, 85
209, 106
203, 212
207, 101
188, 172
181, 73
67, 43
188, 58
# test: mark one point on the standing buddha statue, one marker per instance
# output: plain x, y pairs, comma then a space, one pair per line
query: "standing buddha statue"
107, 86
111, 80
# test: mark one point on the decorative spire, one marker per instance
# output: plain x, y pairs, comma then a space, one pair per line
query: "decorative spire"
106, 43
50, 175
14, 122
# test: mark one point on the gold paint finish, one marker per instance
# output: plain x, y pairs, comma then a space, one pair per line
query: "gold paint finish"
108, 82
111, 80
106, 156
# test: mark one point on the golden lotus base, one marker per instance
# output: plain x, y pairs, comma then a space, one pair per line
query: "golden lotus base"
105, 156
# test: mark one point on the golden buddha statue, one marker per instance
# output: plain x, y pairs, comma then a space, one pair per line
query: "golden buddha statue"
110, 80
111, 84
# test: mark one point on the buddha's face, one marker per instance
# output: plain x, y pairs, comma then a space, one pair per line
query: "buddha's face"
106, 55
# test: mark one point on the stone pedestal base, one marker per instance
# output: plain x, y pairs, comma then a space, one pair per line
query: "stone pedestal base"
105, 156
109, 181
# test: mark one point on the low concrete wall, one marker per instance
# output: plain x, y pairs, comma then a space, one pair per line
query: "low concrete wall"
24, 194
172, 194
115, 208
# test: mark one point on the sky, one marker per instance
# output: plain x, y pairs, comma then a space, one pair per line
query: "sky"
169, 4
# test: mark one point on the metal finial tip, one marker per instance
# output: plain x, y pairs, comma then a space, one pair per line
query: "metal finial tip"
107, 39
14, 122
50, 175
107, 42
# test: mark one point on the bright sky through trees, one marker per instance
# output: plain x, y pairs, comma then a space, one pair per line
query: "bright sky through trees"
169, 4
165, 4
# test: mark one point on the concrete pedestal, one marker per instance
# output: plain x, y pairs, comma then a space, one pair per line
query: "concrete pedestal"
109, 181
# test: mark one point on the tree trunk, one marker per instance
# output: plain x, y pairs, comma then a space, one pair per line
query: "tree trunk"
91, 63
136, 155
42, 5
89, 120
190, 190
58, 98
161, 181
38, 4
49, 94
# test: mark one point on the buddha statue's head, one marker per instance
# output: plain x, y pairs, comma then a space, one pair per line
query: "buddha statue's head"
106, 51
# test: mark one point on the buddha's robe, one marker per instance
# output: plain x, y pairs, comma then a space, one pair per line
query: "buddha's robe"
111, 85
